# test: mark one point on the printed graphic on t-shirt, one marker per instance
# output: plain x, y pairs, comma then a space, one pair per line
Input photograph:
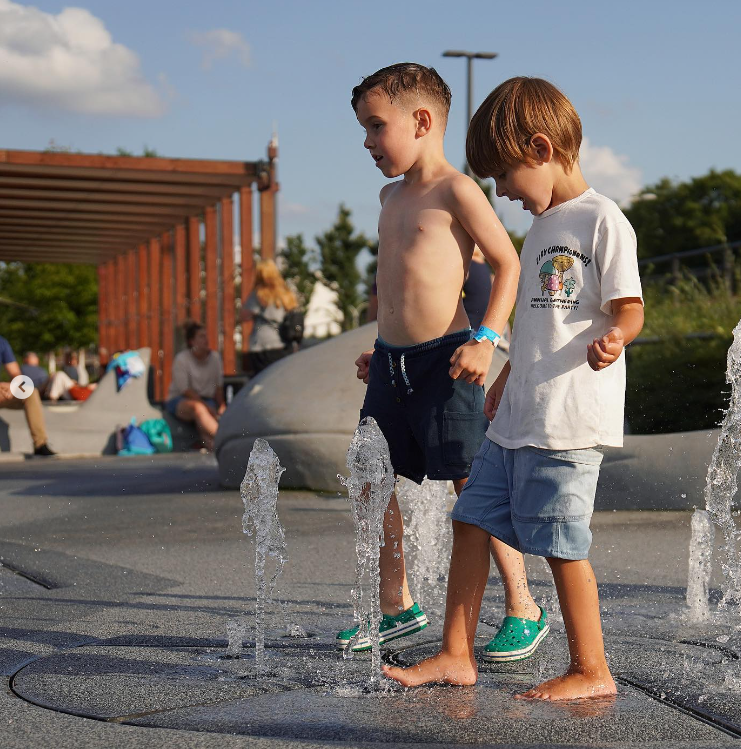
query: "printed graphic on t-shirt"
556, 280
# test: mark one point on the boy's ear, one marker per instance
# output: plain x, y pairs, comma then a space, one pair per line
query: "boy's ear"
424, 121
541, 148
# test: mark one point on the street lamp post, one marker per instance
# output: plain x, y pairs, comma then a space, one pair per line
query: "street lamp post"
470, 56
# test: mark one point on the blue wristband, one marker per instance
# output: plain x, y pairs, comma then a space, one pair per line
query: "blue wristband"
487, 334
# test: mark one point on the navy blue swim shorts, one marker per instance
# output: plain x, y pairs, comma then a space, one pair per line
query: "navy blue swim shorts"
434, 425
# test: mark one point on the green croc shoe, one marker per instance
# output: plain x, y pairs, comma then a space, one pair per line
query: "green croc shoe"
406, 623
517, 639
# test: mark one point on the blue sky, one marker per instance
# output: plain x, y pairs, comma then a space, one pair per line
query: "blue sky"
656, 83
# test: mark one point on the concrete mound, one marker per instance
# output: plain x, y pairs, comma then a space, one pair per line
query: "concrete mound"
306, 406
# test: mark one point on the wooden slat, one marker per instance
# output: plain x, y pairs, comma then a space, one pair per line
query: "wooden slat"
91, 244
194, 268
227, 281
247, 262
90, 206
62, 220
28, 214
181, 294
120, 302
137, 164
110, 291
67, 231
143, 258
231, 180
267, 224
206, 192
49, 257
51, 238
132, 298
103, 322
155, 339
168, 337
212, 278
142, 199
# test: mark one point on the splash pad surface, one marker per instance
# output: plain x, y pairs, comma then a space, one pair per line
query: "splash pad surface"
115, 596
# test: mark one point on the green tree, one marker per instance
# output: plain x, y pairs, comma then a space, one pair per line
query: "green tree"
674, 216
517, 240
298, 260
339, 248
63, 302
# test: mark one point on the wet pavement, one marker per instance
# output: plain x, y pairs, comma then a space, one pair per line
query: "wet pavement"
119, 577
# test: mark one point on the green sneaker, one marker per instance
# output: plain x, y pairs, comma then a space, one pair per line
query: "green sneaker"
406, 623
517, 639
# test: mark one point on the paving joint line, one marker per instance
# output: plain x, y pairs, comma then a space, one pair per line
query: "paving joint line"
731, 729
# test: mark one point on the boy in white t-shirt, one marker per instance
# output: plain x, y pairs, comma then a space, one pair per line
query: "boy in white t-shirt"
579, 303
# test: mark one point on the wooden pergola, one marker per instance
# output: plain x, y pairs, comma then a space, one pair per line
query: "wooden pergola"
160, 231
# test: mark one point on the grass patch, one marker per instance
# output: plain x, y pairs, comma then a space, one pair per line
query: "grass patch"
679, 384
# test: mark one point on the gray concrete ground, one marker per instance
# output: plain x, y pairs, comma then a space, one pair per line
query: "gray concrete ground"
119, 576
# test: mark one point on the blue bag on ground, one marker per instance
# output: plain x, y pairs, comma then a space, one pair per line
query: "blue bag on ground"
135, 441
158, 432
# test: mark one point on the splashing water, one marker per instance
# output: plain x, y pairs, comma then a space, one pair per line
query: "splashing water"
722, 485
700, 567
236, 629
429, 535
369, 487
259, 490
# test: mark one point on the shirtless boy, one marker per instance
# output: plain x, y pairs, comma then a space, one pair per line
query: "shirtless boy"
426, 372
579, 304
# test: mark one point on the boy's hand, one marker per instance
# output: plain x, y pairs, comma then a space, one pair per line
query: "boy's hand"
604, 351
471, 362
494, 396
363, 365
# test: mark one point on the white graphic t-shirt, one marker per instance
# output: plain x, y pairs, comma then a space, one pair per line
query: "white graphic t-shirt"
577, 258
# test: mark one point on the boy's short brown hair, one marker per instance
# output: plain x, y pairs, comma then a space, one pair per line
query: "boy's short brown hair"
500, 131
407, 78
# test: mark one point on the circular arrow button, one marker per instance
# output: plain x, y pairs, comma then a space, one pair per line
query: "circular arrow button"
21, 387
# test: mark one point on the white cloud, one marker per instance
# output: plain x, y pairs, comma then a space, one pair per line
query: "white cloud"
70, 61
609, 173
219, 44
294, 209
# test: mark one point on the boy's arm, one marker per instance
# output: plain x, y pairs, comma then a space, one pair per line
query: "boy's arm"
494, 396
363, 361
627, 321
475, 214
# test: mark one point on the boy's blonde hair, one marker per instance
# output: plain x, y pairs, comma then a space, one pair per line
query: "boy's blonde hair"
500, 131
270, 288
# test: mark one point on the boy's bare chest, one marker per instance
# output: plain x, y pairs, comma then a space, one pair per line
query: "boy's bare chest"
402, 225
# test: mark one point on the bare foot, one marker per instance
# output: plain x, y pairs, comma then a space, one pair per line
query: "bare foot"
572, 686
440, 669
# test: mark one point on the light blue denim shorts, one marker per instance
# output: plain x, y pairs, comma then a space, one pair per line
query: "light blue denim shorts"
537, 501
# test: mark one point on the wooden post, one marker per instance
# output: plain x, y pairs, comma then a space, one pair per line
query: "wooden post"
133, 298
212, 278
267, 224
142, 339
154, 315
121, 311
246, 259
168, 343
227, 279
103, 321
181, 301
194, 268
110, 278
